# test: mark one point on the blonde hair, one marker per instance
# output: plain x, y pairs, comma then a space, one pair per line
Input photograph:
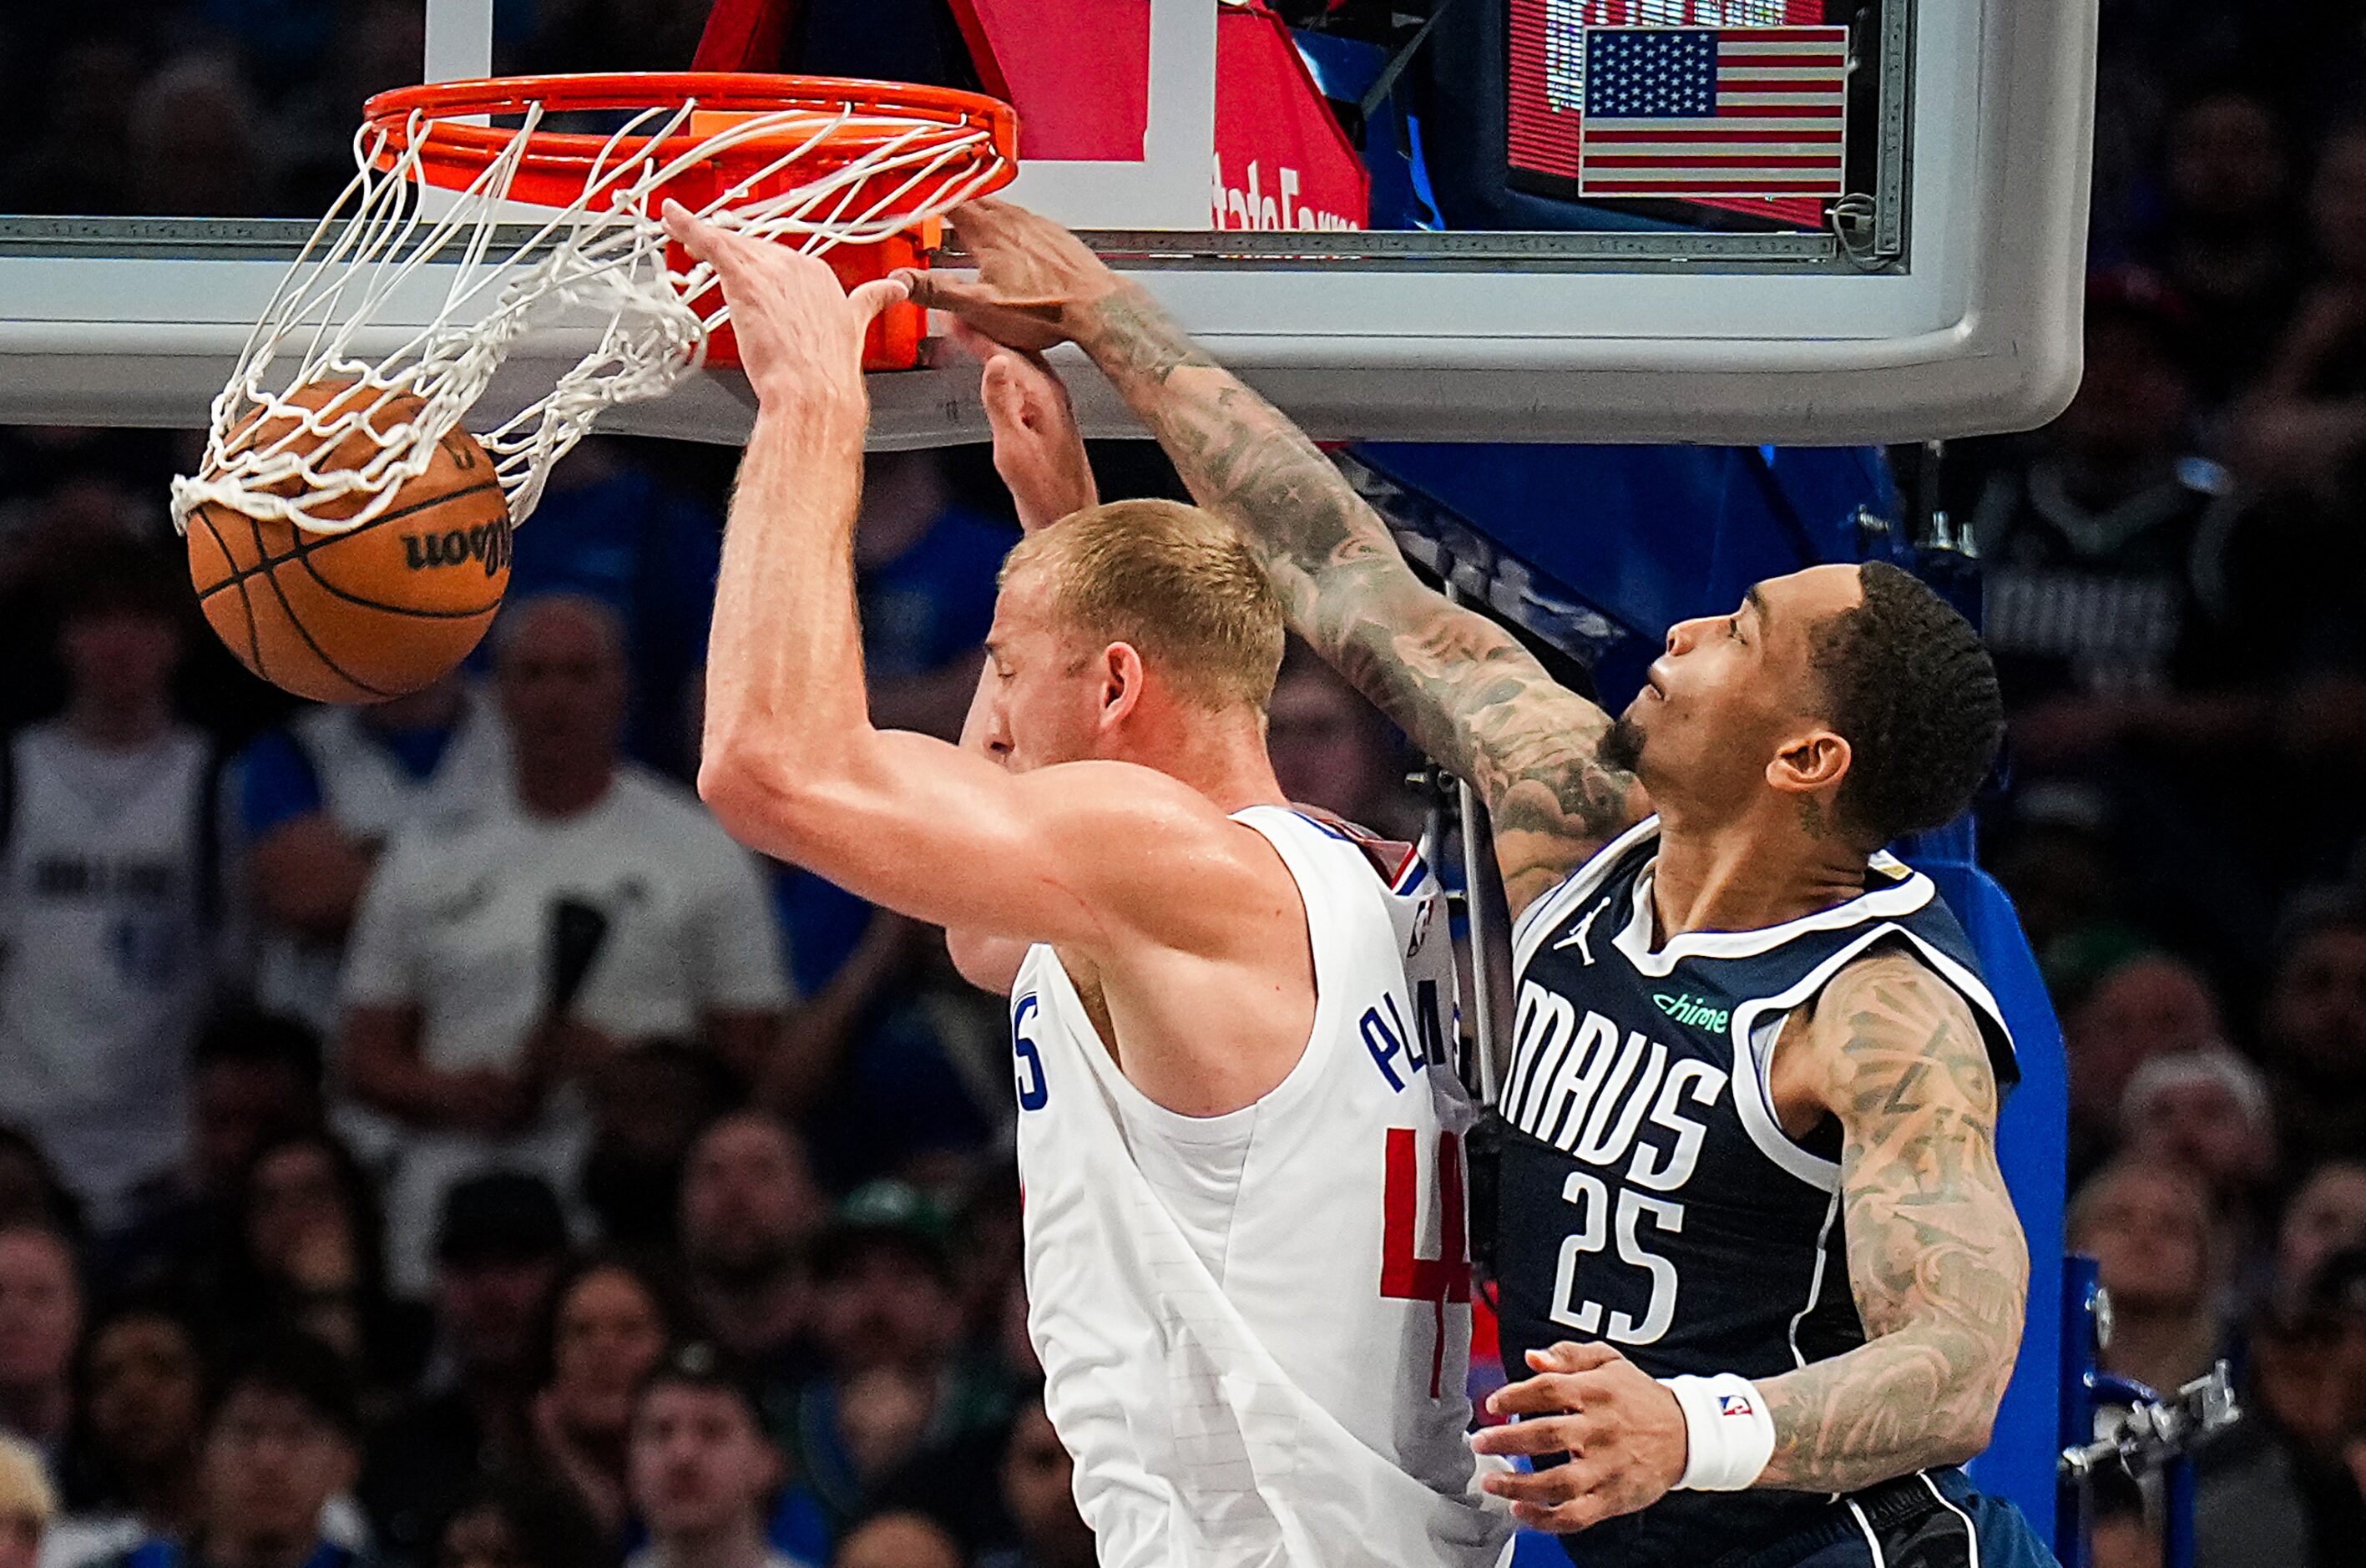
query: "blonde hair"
1179, 585
24, 1490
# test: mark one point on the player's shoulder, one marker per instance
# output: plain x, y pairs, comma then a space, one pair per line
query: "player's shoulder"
1127, 798
1889, 1005
1887, 974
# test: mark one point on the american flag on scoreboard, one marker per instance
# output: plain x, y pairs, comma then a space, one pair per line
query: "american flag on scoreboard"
1698, 113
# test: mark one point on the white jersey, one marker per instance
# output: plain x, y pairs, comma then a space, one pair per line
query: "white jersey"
107, 952
1255, 1327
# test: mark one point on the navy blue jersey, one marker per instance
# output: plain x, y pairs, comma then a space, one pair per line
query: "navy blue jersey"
1649, 1198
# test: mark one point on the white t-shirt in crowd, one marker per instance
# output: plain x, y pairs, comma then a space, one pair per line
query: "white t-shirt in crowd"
369, 794
456, 922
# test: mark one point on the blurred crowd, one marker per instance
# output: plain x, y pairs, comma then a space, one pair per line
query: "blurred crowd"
2172, 575
429, 1140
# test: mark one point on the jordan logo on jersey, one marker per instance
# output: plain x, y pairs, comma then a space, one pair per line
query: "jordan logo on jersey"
1576, 938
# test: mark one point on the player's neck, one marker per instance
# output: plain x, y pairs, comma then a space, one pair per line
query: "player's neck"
1221, 756
1747, 875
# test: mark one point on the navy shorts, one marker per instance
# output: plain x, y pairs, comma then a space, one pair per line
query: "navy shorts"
1953, 1525
1933, 1520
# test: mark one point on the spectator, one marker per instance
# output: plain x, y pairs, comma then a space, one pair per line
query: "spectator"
2204, 1112
2326, 1215
255, 1079
495, 965
2049, 846
897, 1540
619, 535
924, 569
197, 147
886, 1322
2313, 1027
111, 899
2228, 243
896, 1068
1331, 748
2151, 1005
27, 1504
40, 1322
1038, 1489
2106, 573
750, 1210
992, 1240
309, 1250
524, 1522
2159, 1253
648, 1102
282, 1444
702, 1471
500, 1246
322, 794
608, 1324
132, 1472
2305, 422
30, 1193
2308, 1376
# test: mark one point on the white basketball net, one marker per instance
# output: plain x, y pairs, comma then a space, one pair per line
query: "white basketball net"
604, 256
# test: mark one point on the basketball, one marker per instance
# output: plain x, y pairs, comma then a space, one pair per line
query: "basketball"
368, 615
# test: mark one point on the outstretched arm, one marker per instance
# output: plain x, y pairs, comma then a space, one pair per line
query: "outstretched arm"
1458, 684
791, 763
1038, 450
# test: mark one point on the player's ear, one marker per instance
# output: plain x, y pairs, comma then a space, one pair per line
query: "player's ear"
1813, 761
1121, 683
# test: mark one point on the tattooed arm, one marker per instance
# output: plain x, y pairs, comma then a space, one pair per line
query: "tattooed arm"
1936, 1257
1466, 692
1936, 1261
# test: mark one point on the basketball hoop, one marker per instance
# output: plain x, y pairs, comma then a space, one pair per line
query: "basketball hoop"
469, 188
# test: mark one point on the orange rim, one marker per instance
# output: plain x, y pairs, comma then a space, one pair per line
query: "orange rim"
557, 163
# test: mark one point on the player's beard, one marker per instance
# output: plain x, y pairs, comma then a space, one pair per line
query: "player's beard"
1622, 745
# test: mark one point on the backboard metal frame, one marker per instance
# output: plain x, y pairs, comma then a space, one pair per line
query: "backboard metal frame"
1627, 336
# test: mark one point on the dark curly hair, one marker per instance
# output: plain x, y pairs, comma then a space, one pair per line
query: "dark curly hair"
1913, 692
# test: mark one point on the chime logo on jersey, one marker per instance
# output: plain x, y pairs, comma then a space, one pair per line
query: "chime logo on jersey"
1689, 1009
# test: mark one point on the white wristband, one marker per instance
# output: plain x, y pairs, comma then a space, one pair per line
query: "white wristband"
1729, 1436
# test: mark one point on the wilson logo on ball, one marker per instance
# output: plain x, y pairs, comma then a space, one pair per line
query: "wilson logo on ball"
487, 542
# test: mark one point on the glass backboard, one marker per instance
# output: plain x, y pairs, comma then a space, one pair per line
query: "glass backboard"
1717, 220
